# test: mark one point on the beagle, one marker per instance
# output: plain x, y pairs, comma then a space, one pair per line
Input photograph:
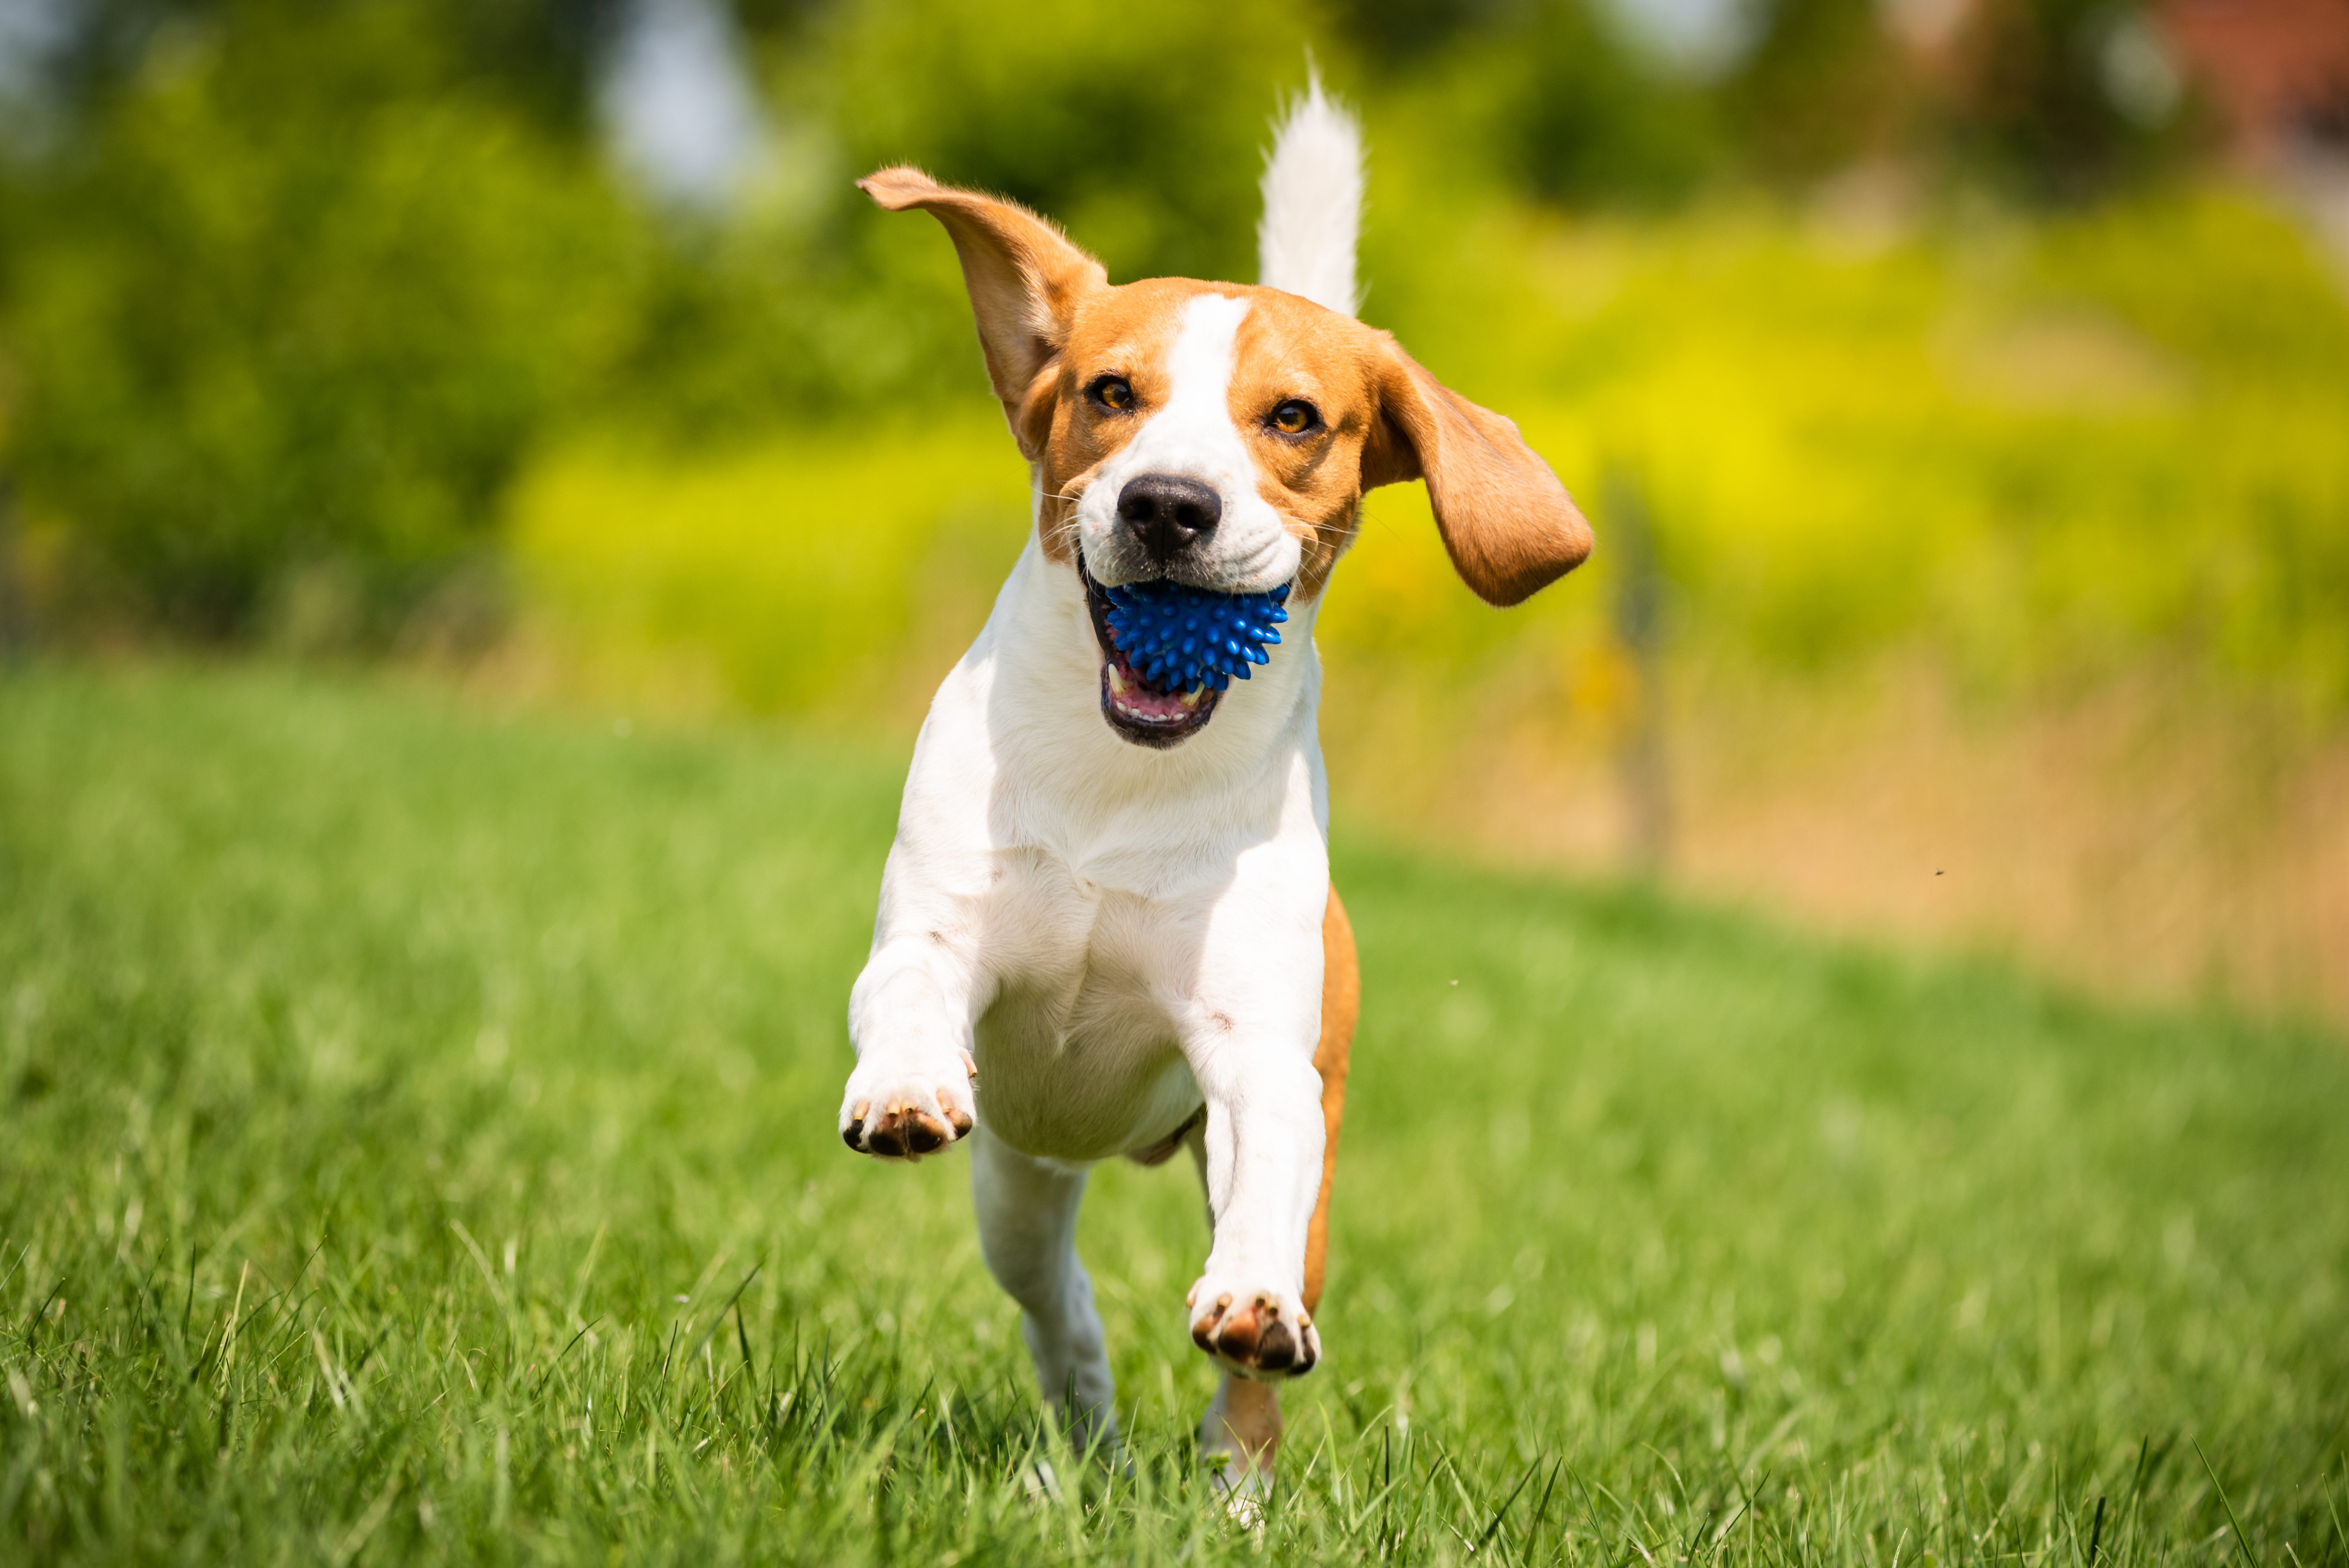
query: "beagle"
1106, 925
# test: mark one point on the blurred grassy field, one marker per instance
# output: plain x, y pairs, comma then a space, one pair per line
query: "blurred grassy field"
418, 1146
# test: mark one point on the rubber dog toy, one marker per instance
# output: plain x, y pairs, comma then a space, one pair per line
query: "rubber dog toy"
1176, 637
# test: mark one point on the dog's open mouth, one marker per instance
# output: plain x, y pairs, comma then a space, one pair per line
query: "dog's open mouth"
1140, 711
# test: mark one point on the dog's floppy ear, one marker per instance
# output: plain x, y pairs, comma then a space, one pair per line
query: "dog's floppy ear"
1025, 280
1508, 525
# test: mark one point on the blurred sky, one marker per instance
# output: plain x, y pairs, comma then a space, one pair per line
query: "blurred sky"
678, 102
1698, 38
31, 31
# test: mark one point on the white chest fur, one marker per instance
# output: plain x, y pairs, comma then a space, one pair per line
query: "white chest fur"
1082, 915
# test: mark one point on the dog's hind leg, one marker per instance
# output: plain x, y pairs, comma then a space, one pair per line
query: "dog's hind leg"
1027, 1232
1241, 1431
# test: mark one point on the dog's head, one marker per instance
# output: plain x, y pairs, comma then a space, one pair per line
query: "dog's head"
1222, 435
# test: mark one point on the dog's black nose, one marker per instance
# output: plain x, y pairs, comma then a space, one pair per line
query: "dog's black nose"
1168, 512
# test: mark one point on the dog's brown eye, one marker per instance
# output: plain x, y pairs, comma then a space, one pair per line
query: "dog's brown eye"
1113, 393
1296, 417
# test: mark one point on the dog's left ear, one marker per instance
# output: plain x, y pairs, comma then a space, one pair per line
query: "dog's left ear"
1025, 280
1508, 525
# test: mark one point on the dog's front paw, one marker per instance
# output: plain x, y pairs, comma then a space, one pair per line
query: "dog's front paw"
1255, 1331
901, 1112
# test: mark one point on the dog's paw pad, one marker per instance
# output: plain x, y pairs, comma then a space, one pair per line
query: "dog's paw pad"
907, 1119
1257, 1333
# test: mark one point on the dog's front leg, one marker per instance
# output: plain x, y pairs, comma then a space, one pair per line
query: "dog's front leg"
910, 1018
1261, 1155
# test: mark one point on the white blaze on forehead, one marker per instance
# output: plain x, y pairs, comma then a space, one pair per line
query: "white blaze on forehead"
1191, 433
1198, 411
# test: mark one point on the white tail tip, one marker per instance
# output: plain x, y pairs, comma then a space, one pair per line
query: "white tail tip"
1312, 202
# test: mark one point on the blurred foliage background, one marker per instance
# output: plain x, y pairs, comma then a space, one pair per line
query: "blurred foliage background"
1986, 405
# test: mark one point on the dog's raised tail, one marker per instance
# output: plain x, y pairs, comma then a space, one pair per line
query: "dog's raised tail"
1312, 202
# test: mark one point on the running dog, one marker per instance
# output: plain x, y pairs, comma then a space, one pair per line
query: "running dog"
1106, 925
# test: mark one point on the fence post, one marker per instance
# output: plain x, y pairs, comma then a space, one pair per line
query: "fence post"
1640, 628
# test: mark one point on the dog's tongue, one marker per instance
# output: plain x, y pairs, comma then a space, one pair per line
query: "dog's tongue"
1126, 690
1137, 697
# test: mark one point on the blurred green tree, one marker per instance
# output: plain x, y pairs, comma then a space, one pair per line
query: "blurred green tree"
1138, 127
297, 283
295, 300
1577, 113
1824, 85
2037, 101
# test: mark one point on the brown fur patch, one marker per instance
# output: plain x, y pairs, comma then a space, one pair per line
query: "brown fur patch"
1026, 284
1127, 331
1508, 525
1341, 1005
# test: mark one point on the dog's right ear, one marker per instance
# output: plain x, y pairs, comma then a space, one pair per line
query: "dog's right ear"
1025, 280
1508, 525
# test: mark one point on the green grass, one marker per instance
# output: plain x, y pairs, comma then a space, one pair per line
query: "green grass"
415, 1143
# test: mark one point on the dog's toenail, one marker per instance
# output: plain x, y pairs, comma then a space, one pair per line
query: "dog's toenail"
1224, 1302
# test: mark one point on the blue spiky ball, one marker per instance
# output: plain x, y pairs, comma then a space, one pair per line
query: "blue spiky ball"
1176, 637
